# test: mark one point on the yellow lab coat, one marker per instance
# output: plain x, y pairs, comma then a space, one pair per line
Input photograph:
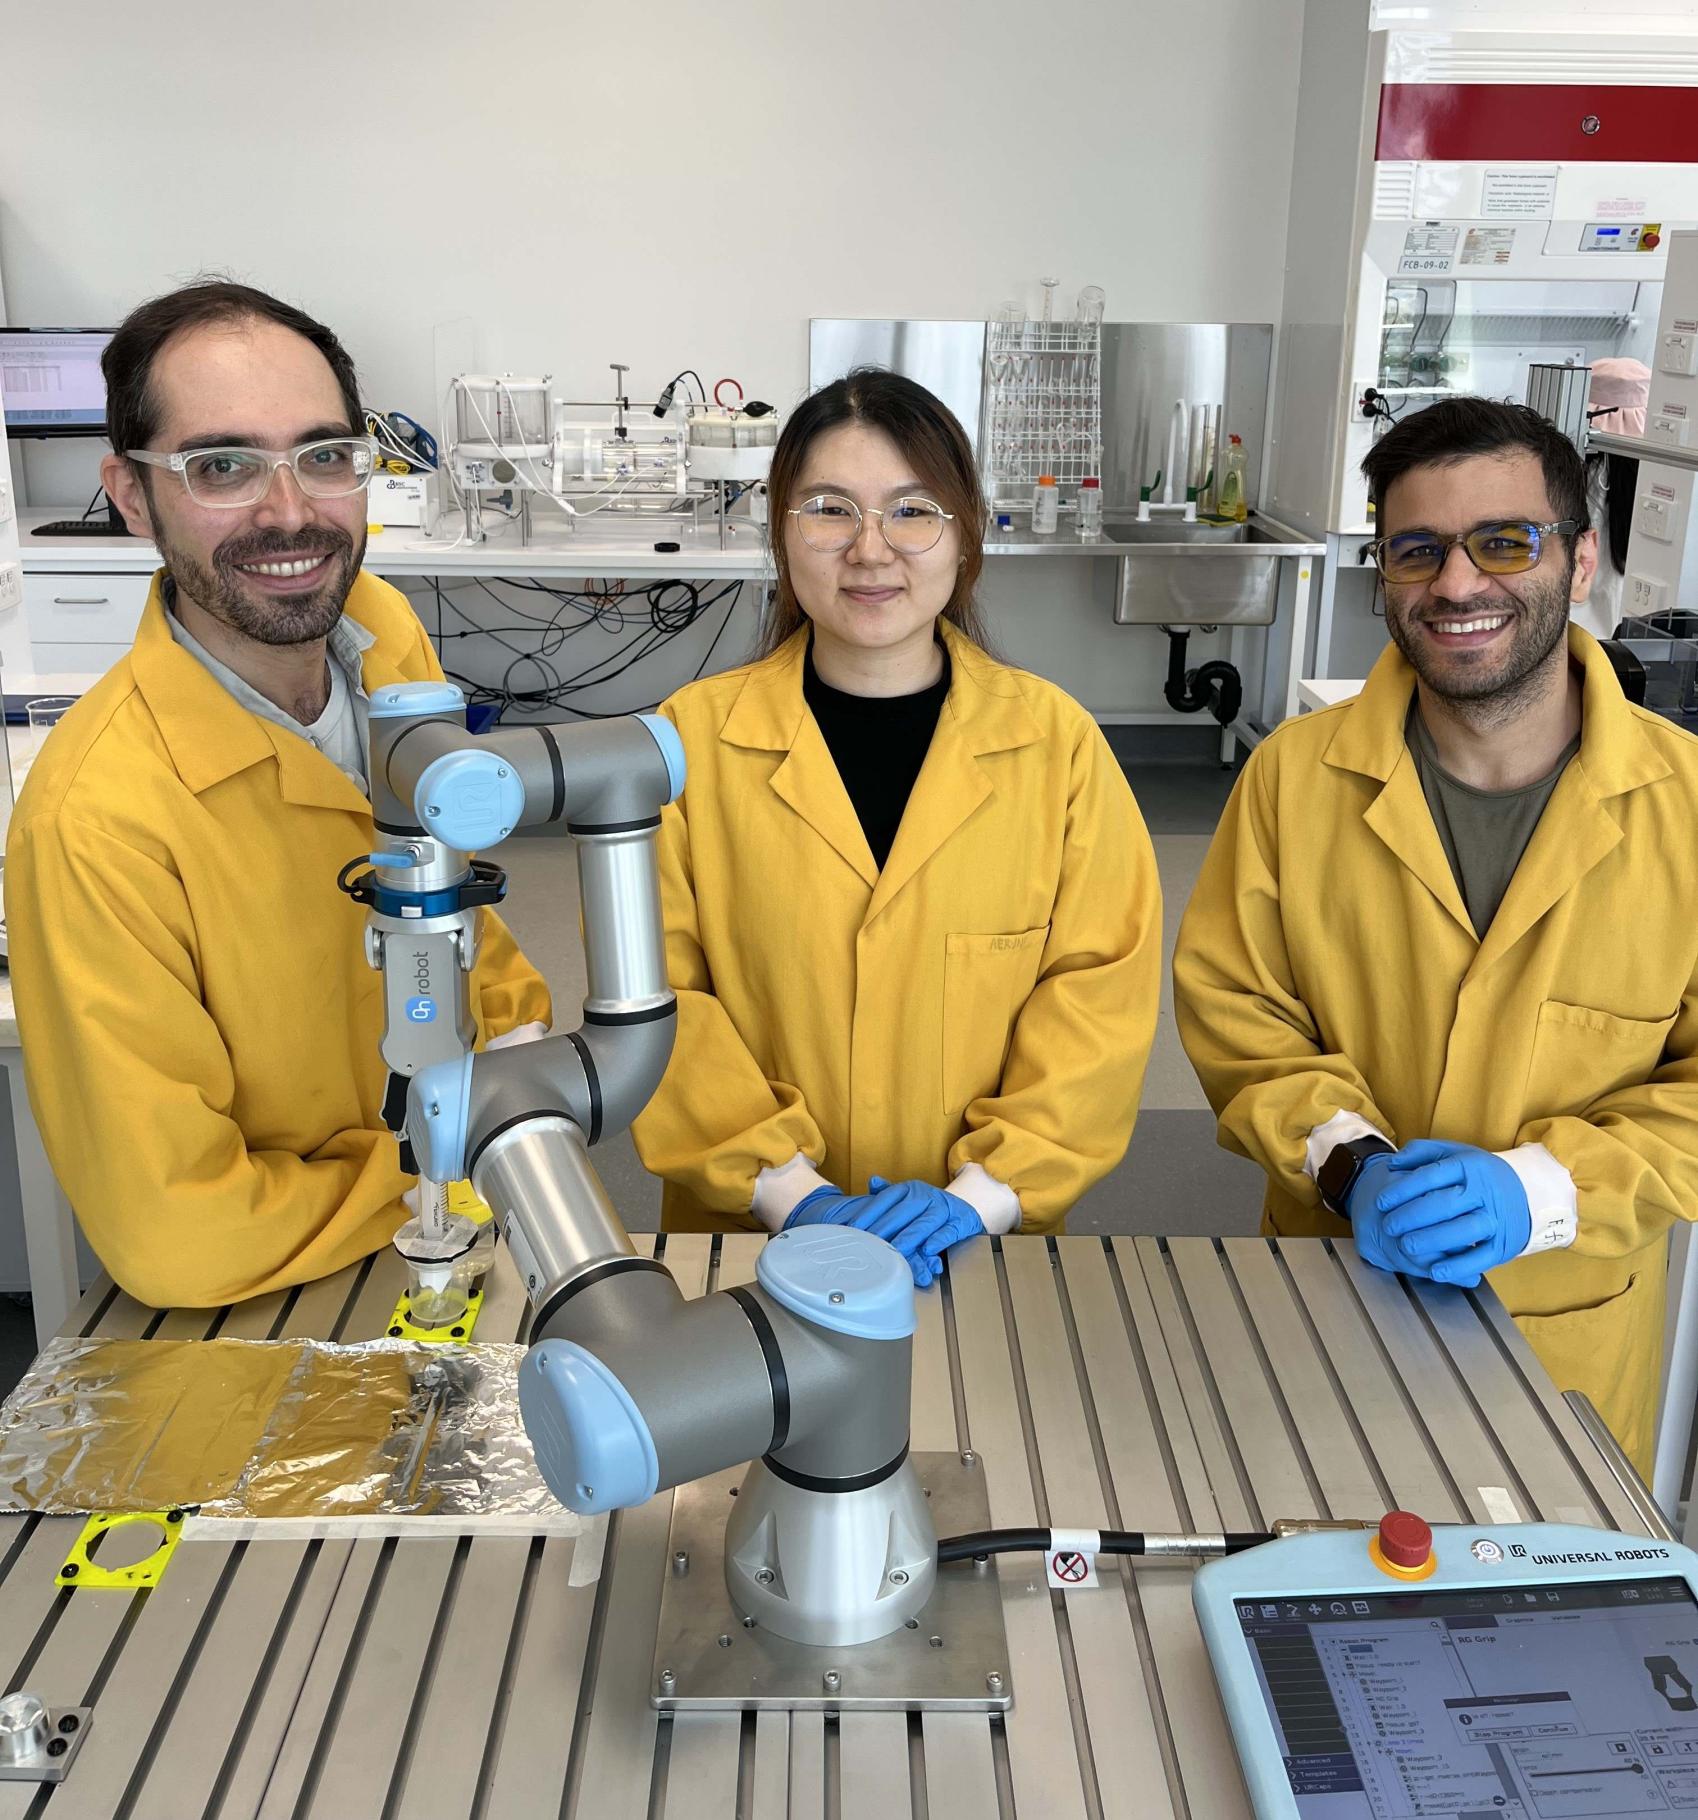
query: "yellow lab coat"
989, 997
199, 1025
1326, 963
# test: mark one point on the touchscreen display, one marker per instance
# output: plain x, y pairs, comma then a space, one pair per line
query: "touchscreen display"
1523, 1703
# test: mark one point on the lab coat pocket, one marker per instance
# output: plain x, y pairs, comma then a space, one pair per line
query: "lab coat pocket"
986, 980
1611, 1350
1580, 1054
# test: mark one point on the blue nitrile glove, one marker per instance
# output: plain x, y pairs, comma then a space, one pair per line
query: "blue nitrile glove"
1454, 1211
1367, 1223
829, 1206
922, 1223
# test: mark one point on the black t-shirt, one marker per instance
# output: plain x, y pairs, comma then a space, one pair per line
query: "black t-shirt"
878, 743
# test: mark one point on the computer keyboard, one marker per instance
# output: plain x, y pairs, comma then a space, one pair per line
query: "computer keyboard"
79, 527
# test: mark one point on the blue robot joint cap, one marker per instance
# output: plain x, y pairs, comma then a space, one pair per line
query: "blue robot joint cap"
840, 1278
593, 1447
395, 699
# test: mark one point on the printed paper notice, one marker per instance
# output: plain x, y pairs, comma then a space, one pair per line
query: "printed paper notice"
1488, 246
1524, 195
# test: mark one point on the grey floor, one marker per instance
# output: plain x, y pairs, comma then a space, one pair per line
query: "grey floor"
1175, 1178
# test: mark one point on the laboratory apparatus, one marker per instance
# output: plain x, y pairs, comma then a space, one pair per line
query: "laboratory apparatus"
1522, 1671
657, 468
1501, 199
628, 1388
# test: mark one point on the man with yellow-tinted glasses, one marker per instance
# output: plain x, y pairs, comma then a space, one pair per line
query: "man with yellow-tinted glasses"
1440, 973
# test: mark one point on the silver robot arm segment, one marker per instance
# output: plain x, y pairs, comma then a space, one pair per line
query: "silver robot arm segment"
629, 1388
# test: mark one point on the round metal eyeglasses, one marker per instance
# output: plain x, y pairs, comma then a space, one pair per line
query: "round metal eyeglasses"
832, 521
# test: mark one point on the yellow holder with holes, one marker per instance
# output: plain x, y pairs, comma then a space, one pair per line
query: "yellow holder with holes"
81, 1570
403, 1327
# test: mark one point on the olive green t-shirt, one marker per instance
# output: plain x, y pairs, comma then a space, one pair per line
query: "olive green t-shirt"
1483, 832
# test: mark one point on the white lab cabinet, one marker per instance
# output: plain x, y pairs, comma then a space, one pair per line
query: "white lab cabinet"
83, 620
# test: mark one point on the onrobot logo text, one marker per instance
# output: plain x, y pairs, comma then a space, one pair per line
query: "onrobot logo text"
421, 1010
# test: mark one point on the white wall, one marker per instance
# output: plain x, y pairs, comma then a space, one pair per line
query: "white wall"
648, 181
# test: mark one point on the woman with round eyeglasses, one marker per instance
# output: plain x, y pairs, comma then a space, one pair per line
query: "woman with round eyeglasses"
912, 911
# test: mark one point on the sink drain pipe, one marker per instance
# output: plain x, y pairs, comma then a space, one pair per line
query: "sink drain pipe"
1215, 685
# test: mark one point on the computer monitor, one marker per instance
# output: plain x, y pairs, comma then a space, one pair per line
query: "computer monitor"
51, 383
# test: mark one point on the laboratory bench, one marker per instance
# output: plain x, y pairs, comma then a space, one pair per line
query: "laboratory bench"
1185, 1384
83, 596
627, 548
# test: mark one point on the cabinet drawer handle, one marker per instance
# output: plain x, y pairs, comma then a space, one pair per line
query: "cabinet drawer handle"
82, 600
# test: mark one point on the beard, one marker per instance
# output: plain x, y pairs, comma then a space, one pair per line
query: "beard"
1488, 683
269, 619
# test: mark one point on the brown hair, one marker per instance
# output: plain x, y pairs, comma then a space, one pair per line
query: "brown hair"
927, 432
132, 410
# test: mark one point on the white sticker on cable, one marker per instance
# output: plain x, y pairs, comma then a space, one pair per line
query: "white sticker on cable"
1072, 1559
1500, 1506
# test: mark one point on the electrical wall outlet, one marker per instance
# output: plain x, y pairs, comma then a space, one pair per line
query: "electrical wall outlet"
5, 502
1678, 353
1653, 517
11, 586
1645, 596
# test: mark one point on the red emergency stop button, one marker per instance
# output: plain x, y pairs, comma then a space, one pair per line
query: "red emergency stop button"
1649, 239
1404, 1546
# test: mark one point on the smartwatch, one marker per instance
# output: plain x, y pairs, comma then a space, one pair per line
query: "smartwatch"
1344, 1163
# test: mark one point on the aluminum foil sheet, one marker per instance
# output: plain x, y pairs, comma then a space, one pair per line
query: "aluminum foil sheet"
251, 1431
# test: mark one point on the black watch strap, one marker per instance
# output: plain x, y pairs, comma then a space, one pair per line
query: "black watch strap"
1344, 1162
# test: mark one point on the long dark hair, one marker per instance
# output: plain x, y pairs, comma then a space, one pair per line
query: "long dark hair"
927, 432
1621, 482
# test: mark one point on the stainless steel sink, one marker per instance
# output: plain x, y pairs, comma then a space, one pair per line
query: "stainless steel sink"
1176, 530
1201, 574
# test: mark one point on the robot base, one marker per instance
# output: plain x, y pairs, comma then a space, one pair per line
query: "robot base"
949, 1655
830, 1568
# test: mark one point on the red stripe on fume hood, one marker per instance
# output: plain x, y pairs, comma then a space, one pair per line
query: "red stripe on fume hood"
1464, 122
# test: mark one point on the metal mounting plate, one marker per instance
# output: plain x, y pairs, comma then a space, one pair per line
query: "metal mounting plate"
708, 1658
67, 1726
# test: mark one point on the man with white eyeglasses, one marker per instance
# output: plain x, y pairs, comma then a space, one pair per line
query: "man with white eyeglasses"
200, 1028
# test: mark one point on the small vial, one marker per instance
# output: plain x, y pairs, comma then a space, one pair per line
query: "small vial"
1090, 507
1046, 504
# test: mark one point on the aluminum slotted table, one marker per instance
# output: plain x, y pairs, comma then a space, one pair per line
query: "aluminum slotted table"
1125, 1383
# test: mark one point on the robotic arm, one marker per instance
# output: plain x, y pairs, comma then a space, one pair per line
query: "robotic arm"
629, 1388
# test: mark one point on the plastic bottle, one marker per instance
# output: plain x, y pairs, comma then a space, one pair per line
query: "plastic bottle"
1046, 504
1232, 482
1090, 507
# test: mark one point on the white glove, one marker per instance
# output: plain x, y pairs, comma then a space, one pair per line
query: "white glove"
522, 1033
